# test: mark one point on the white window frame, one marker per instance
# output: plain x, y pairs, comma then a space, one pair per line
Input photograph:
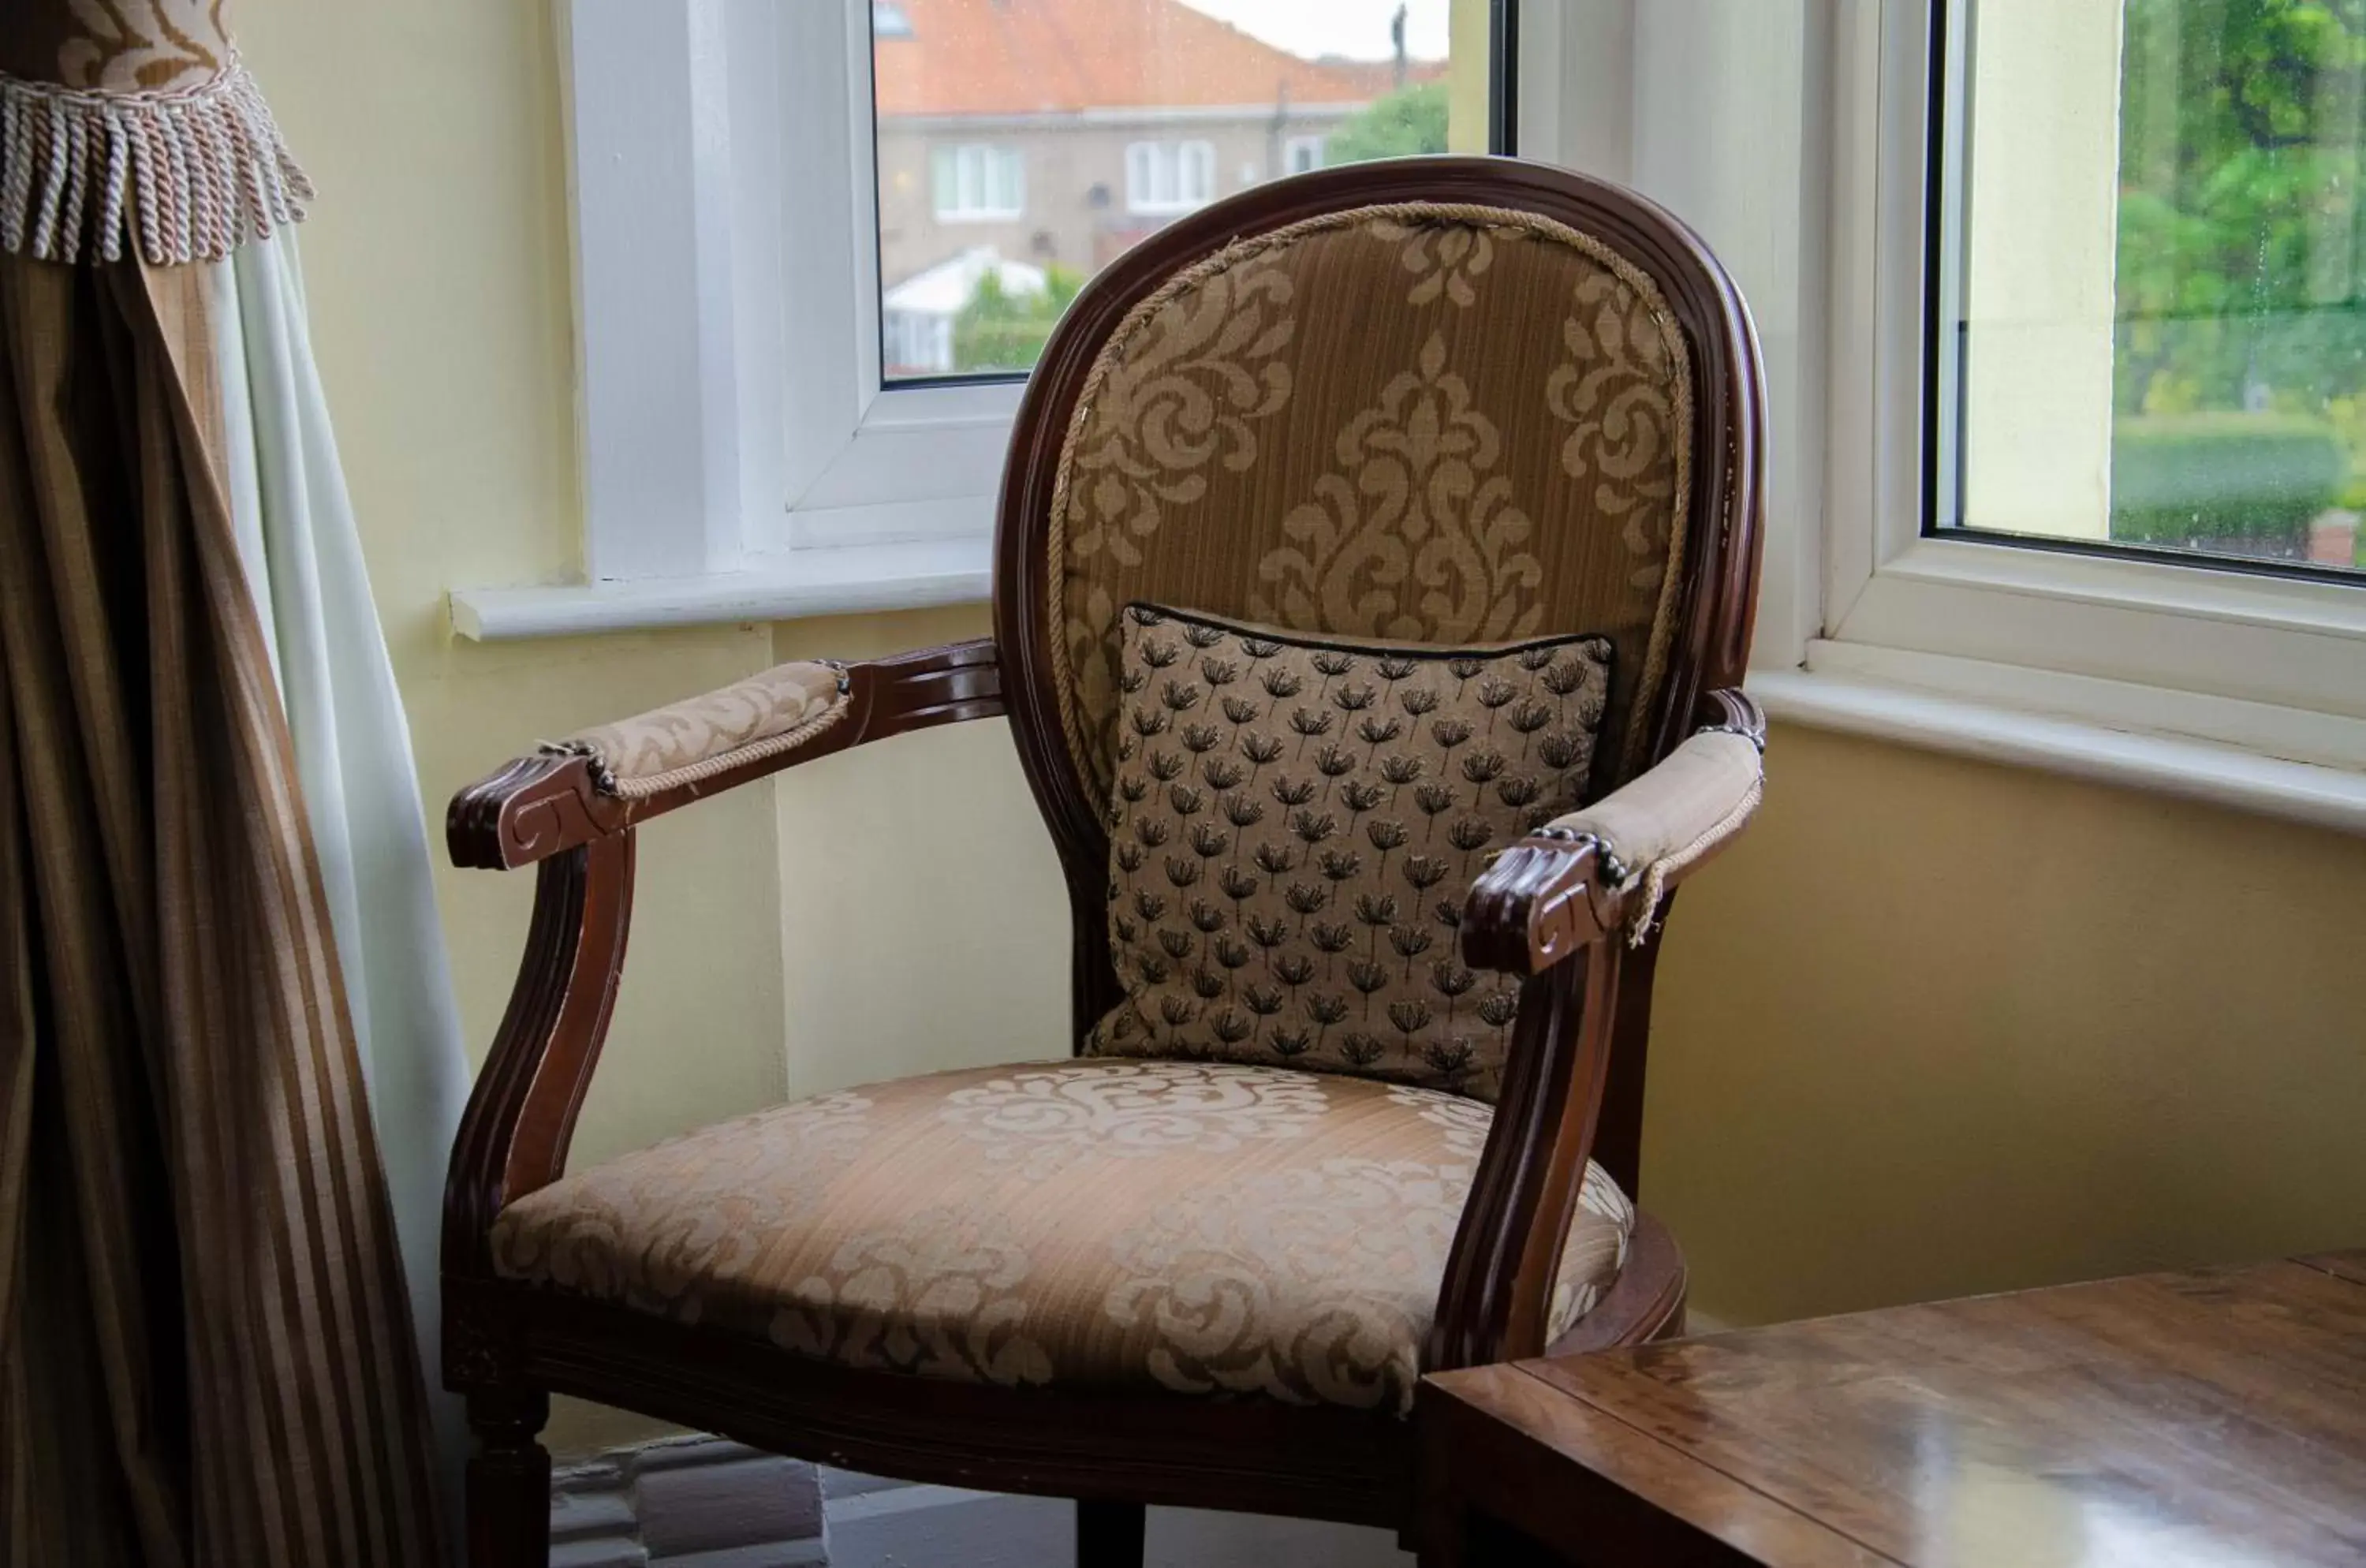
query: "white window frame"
1156, 162
740, 454
2199, 679
974, 168
1311, 146
741, 459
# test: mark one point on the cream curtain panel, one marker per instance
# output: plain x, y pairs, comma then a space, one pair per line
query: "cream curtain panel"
206, 1341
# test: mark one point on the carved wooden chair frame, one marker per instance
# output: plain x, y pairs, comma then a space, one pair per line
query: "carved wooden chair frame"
1545, 912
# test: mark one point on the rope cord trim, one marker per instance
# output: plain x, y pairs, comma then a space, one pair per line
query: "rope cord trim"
170, 178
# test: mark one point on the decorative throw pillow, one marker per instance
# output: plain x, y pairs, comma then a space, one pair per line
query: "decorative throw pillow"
1295, 826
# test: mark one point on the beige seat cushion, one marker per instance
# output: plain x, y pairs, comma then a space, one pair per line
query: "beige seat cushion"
1199, 1227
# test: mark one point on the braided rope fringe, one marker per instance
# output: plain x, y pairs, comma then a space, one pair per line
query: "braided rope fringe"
184, 176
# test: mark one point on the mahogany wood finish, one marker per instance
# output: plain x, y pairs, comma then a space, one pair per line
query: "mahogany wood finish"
509, 1477
1577, 1056
2213, 1416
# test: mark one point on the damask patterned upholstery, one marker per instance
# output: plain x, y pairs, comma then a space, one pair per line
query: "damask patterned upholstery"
700, 737
1295, 826
1206, 1229
1426, 423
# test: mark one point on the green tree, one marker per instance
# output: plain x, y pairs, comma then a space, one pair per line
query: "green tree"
1405, 122
2240, 222
1001, 331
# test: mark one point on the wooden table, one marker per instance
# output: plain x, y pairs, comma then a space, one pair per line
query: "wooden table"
2206, 1419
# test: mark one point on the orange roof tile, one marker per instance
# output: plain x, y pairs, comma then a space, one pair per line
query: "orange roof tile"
1012, 57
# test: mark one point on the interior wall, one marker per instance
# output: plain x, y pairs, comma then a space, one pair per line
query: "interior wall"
924, 924
437, 272
1935, 1027
1931, 1026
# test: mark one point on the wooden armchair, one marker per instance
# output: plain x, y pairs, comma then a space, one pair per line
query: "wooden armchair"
1540, 396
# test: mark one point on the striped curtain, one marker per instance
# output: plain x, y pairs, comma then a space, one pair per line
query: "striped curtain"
206, 1352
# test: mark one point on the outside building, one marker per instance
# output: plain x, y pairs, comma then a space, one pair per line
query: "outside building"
1056, 134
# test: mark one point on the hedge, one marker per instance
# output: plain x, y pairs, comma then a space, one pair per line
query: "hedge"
2212, 477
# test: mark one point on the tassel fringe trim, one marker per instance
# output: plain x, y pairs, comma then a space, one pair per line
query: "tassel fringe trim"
172, 177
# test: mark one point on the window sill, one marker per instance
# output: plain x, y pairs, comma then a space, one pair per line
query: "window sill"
2282, 762
847, 579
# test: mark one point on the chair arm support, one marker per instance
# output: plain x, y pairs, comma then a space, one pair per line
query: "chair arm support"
1558, 892
602, 781
1611, 866
1494, 1301
571, 811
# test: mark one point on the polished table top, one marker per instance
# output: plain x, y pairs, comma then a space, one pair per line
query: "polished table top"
2205, 1419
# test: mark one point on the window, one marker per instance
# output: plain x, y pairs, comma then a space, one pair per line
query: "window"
2083, 473
822, 243
1166, 177
979, 183
1127, 115
2151, 309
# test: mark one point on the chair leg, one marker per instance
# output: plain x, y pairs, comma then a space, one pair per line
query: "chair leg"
1108, 1535
508, 1480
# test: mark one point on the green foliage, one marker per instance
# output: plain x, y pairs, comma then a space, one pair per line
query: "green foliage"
1399, 126
1001, 331
2240, 222
2205, 479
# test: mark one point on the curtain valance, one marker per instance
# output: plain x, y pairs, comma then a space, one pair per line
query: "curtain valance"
131, 128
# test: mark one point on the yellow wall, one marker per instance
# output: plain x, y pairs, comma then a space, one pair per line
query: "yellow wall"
1935, 1027
1932, 1027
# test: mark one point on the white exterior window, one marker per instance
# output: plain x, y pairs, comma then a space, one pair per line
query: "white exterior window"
1166, 177
820, 244
1971, 236
2069, 518
979, 183
1302, 154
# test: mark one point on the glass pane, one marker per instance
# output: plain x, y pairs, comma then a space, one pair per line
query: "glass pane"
2152, 333
1024, 144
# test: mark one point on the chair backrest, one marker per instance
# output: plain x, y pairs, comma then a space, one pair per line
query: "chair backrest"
1440, 399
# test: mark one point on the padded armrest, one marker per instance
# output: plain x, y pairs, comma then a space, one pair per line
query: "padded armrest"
1568, 884
697, 738
606, 780
1655, 828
